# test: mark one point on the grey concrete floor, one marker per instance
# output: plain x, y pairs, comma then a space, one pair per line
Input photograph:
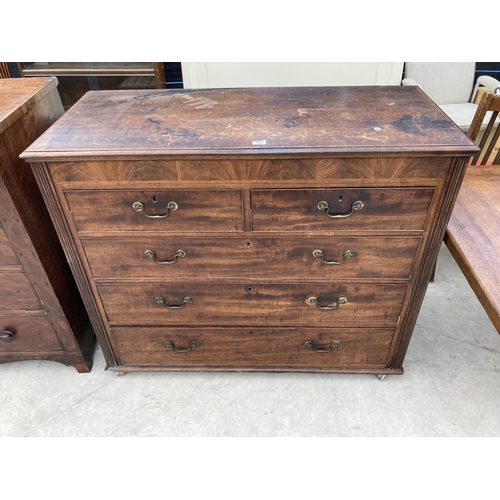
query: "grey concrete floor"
451, 387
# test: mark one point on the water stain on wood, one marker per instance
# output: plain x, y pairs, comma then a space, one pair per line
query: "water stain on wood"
419, 125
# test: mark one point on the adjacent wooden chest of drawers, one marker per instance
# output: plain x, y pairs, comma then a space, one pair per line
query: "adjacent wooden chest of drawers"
253, 229
42, 315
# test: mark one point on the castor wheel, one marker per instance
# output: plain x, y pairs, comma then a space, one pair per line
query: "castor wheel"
381, 376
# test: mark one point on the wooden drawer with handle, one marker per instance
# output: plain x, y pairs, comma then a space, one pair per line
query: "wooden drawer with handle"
27, 333
364, 257
371, 209
209, 303
172, 210
313, 348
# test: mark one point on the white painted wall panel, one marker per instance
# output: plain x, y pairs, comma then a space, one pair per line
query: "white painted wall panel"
289, 74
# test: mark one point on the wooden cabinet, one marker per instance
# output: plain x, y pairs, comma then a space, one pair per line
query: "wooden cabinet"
42, 315
288, 229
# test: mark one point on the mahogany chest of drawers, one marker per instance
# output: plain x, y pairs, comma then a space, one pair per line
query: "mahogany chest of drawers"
279, 229
42, 315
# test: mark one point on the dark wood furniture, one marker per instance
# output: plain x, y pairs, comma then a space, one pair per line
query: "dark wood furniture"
41, 313
278, 229
473, 233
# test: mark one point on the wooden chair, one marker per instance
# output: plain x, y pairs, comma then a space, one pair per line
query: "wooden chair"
473, 233
4, 70
450, 85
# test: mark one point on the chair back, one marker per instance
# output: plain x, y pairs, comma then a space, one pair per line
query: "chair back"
444, 82
489, 143
4, 70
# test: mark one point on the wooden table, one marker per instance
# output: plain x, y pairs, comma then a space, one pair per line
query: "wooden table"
473, 236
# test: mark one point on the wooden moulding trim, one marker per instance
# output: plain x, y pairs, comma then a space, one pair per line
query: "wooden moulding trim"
242, 154
69, 360
433, 245
43, 178
278, 369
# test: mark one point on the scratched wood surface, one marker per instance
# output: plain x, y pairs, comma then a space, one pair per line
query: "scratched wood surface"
279, 119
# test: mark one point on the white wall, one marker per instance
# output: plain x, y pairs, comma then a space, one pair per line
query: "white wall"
287, 74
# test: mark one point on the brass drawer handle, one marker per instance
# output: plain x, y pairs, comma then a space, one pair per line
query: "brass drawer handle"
170, 345
149, 254
7, 337
357, 205
161, 301
346, 255
139, 207
309, 344
340, 301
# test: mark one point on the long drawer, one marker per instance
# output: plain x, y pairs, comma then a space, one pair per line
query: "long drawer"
206, 303
313, 258
260, 347
27, 333
172, 210
16, 292
387, 209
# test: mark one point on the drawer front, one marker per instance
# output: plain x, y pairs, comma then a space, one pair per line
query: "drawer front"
29, 333
387, 209
7, 255
195, 303
16, 292
173, 210
262, 169
307, 258
255, 347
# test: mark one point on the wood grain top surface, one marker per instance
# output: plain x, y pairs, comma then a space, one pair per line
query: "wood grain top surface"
17, 95
473, 235
252, 121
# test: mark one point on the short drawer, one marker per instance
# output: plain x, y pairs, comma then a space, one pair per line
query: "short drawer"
173, 210
251, 303
363, 257
16, 292
7, 255
386, 209
27, 333
292, 348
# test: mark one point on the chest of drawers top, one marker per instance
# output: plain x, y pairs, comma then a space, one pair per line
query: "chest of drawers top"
308, 120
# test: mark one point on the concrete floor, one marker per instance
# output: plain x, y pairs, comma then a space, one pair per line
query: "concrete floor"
451, 387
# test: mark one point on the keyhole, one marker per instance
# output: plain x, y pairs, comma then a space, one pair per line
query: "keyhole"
340, 198
250, 333
153, 198
250, 290
248, 244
